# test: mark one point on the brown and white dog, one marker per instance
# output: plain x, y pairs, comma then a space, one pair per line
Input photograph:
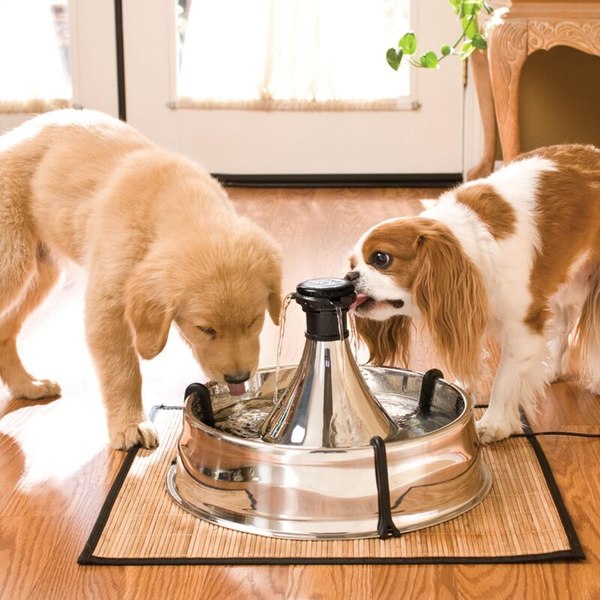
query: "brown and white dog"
515, 255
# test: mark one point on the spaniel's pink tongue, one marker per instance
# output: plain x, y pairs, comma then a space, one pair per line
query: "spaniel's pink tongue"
236, 389
360, 298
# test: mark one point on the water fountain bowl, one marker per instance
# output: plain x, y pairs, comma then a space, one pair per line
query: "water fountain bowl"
427, 471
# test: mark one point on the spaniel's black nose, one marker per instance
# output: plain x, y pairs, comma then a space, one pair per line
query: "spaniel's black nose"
352, 275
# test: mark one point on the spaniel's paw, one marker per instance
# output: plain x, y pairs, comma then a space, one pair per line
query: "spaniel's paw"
141, 434
35, 389
489, 431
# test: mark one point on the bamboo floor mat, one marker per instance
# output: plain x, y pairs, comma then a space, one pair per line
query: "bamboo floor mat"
523, 519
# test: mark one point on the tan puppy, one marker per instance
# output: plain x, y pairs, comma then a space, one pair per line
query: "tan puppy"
161, 243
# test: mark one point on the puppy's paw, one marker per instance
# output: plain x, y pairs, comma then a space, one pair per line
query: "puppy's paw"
489, 431
36, 389
141, 434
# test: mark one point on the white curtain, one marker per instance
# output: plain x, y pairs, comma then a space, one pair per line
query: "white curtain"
33, 77
292, 54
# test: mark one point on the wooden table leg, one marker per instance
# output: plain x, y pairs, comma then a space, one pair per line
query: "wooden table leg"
507, 47
481, 74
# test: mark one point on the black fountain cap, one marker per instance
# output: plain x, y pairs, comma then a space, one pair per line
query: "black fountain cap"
326, 288
325, 294
322, 300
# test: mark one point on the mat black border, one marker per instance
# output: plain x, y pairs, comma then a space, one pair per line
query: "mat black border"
87, 555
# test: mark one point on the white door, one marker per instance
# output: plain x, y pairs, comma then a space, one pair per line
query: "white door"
85, 33
422, 138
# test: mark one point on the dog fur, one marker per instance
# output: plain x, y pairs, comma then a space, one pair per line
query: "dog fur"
161, 244
515, 256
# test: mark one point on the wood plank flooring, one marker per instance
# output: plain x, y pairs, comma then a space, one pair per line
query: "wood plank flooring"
55, 466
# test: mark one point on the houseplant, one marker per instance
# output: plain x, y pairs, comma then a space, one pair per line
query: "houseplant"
471, 38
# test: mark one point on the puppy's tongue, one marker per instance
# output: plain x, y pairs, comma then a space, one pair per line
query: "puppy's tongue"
236, 389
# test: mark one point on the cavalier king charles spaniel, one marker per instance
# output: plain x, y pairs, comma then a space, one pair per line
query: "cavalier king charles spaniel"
515, 256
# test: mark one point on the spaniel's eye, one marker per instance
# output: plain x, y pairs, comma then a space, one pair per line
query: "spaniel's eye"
207, 330
380, 259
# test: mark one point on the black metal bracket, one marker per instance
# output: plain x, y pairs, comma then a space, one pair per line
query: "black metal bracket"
385, 525
427, 387
201, 403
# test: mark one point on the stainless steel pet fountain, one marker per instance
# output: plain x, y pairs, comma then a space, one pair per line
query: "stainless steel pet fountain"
328, 449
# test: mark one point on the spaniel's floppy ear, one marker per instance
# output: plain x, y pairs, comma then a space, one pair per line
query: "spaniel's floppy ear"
450, 294
145, 310
388, 341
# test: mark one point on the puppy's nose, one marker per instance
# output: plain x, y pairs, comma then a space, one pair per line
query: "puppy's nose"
236, 377
351, 275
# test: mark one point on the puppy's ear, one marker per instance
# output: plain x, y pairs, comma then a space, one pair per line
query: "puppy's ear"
146, 311
274, 307
451, 296
388, 341
273, 282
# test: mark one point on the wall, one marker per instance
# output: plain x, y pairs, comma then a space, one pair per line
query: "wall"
560, 98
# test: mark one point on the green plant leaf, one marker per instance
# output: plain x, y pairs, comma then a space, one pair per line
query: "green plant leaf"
429, 60
446, 50
470, 27
468, 8
479, 42
408, 43
394, 58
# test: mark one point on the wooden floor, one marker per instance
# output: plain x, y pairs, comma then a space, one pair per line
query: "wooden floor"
55, 467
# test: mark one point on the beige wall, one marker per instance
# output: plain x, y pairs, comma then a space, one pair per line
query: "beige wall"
560, 98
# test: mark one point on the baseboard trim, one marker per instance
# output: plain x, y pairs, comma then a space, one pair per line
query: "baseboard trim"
367, 180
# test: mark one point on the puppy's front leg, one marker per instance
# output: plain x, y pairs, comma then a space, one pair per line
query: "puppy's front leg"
110, 342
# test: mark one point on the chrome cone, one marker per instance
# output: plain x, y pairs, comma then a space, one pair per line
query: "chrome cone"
328, 403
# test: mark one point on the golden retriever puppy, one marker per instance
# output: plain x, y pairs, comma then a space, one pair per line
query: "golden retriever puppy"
161, 244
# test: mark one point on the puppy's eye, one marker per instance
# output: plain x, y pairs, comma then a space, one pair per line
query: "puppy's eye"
207, 330
380, 259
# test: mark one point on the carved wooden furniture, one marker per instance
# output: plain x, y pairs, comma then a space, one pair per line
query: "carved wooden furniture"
527, 27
